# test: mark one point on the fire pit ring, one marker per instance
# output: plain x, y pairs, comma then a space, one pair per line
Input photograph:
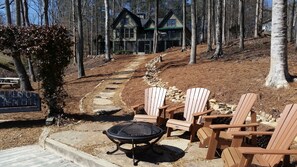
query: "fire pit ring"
134, 133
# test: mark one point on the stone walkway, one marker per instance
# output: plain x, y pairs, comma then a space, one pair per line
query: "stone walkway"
103, 102
32, 156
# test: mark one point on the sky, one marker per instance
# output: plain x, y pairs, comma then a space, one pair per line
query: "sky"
34, 11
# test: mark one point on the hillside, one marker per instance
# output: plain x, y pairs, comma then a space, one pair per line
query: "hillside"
227, 78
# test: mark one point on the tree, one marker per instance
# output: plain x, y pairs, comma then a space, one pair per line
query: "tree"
256, 32
8, 14
155, 40
224, 23
184, 26
278, 76
107, 48
193, 39
219, 50
45, 12
290, 26
26, 12
241, 24
80, 44
18, 12
209, 20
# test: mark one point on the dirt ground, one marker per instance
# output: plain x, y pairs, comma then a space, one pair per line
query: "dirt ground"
227, 79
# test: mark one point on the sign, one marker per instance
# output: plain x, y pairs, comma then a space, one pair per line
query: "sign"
19, 101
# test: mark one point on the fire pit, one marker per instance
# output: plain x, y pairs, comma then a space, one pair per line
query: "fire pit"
134, 133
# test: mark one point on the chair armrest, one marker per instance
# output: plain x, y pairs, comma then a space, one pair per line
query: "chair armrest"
174, 109
197, 115
217, 116
202, 113
208, 118
162, 109
249, 133
257, 150
225, 126
134, 107
171, 111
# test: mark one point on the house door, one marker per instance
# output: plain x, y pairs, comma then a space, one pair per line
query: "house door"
146, 48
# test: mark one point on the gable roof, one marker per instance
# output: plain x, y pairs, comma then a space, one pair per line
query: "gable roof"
123, 12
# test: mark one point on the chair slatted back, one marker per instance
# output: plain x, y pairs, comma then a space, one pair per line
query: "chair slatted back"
154, 98
243, 108
284, 133
196, 99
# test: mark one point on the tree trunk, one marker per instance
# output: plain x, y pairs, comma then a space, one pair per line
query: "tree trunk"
8, 13
241, 24
295, 30
193, 40
80, 47
23, 13
224, 23
184, 26
213, 27
290, 26
26, 12
18, 12
260, 20
45, 12
74, 31
203, 21
219, 51
209, 42
155, 44
278, 76
20, 69
256, 31
107, 48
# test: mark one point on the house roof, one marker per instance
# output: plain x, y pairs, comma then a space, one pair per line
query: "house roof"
145, 23
133, 16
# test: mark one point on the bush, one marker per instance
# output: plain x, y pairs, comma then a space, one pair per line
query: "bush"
50, 48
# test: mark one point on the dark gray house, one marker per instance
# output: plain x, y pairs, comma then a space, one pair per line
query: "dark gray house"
135, 33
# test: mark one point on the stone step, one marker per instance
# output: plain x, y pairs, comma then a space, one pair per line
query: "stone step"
112, 87
106, 110
102, 101
105, 95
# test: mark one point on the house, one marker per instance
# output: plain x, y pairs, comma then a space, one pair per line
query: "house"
134, 33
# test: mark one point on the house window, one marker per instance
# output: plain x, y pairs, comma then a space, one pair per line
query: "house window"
131, 33
127, 33
171, 23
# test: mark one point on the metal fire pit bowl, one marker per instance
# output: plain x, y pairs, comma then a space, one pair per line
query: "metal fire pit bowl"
134, 133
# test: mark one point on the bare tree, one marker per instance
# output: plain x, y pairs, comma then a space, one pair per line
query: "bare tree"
18, 12
80, 44
155, 44
184, 26
241, 24
8, 13
45, 12
209, 20
219, 50
256, 32
290, 26
203, 20
224, 22
278, 76
193, 40
26, 12
107, 48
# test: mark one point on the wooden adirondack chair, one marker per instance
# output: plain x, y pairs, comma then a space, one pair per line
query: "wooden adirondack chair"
276, 150
196, 102
214, 137
154, 100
